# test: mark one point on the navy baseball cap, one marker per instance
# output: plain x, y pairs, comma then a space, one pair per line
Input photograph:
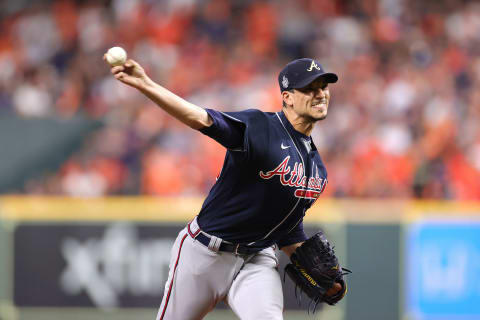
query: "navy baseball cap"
301, 72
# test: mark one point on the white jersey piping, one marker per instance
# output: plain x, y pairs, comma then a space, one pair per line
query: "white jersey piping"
296, 224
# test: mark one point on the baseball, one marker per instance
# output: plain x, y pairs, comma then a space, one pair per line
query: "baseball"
116, 56
334, 289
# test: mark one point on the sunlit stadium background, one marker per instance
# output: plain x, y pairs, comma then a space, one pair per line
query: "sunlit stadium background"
96, 181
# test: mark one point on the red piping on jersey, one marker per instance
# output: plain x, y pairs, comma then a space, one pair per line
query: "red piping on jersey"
173, 277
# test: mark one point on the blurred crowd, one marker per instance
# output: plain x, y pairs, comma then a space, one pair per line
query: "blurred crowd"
403, 119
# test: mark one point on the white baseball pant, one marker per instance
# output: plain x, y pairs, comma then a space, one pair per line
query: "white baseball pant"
199, 278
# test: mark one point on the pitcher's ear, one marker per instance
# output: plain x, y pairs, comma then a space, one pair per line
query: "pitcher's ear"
287, 97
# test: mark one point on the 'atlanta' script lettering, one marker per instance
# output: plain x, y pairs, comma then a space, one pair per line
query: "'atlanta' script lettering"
296, 178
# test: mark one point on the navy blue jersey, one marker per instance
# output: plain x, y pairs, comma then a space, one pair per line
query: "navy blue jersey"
271, 175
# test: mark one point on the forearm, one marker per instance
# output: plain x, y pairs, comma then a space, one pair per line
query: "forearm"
288, 250
132, 74
186, 112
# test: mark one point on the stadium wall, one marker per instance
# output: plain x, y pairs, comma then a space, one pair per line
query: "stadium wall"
107, 258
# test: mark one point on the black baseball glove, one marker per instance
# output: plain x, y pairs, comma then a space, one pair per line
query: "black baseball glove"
315, 270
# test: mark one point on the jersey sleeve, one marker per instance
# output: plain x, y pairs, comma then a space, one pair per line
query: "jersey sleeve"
226, 129
295, 236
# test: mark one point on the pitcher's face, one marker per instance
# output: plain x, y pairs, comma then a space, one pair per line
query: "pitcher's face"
311, 102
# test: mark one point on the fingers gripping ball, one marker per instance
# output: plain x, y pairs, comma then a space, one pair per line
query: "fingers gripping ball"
116, 56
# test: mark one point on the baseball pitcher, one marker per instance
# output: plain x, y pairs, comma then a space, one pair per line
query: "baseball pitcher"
271, 175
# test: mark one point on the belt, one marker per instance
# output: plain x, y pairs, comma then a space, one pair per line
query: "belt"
227, 247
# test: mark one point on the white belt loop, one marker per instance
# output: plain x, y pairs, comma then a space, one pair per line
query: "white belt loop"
214, 243
194, 230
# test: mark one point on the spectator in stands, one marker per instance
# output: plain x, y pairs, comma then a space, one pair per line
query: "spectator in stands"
406, 113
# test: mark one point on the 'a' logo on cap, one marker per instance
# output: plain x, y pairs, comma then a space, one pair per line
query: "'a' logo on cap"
285, 82
314, 65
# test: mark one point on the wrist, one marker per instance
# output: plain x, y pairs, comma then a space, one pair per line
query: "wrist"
146, 84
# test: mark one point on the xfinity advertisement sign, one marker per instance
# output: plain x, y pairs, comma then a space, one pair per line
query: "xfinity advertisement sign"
103, 266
